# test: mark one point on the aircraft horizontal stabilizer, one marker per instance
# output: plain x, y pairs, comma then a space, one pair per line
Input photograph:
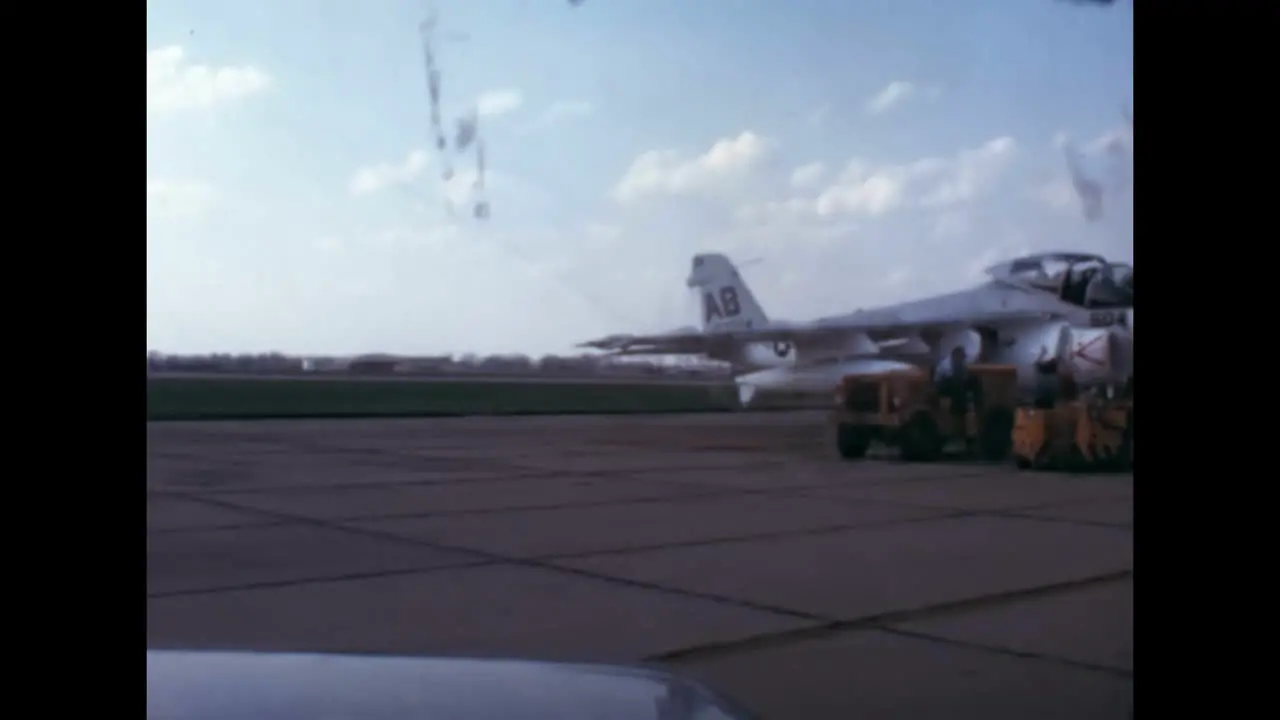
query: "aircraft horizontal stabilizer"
607, 343
676, 342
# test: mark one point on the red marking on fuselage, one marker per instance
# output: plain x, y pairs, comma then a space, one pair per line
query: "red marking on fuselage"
1082, 352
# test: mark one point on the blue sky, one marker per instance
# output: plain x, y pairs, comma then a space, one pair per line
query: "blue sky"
865, 152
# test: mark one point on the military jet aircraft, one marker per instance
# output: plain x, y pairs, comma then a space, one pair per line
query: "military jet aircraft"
1076, 307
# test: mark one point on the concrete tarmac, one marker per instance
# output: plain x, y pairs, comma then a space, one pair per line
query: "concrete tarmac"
736, 549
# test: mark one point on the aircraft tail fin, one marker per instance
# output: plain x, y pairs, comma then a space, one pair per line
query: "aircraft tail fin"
727, 303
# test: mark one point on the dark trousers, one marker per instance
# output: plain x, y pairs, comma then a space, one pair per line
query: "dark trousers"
1047, 391
963, 393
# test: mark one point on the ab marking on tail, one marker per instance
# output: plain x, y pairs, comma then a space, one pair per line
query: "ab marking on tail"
727, 307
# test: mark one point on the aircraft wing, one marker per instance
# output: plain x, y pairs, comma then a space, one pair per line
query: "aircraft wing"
878, 326
848, 332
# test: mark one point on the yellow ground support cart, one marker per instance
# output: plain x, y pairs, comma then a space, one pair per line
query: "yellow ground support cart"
904, 409
1083, 434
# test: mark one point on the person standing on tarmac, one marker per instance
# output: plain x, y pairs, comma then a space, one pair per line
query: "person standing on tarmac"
1053, 381
1046, 367
956, 384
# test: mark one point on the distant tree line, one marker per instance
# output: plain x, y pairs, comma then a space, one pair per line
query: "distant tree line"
275, 363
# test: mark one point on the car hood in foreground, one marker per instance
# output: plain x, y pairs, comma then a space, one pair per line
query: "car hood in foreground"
285, 686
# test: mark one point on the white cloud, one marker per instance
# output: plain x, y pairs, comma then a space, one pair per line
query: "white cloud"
895, 93
498, 102
174, 85
873, 195
461, 192
869, 189
973, 172
1117, 142
860, 203
897, 278
775, 211
808, 175
864, 189
602, 235
659, 172
375, 178
952, 224
1056, 194
567, 109
178, 199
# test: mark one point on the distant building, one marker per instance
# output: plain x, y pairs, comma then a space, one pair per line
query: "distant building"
323, 364
426, 365
506, 363
377, 364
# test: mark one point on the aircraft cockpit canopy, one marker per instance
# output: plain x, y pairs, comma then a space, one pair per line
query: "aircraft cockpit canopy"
1044, 270
1122, 273
1078, 278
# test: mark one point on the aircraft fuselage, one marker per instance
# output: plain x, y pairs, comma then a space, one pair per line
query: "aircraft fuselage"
1097, 342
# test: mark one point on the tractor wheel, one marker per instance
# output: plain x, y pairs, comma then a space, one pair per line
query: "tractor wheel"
920, 439
852, 441
1076, 461
995, 436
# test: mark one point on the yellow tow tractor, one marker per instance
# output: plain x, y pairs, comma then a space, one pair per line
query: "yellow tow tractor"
1091, 433
904, 409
